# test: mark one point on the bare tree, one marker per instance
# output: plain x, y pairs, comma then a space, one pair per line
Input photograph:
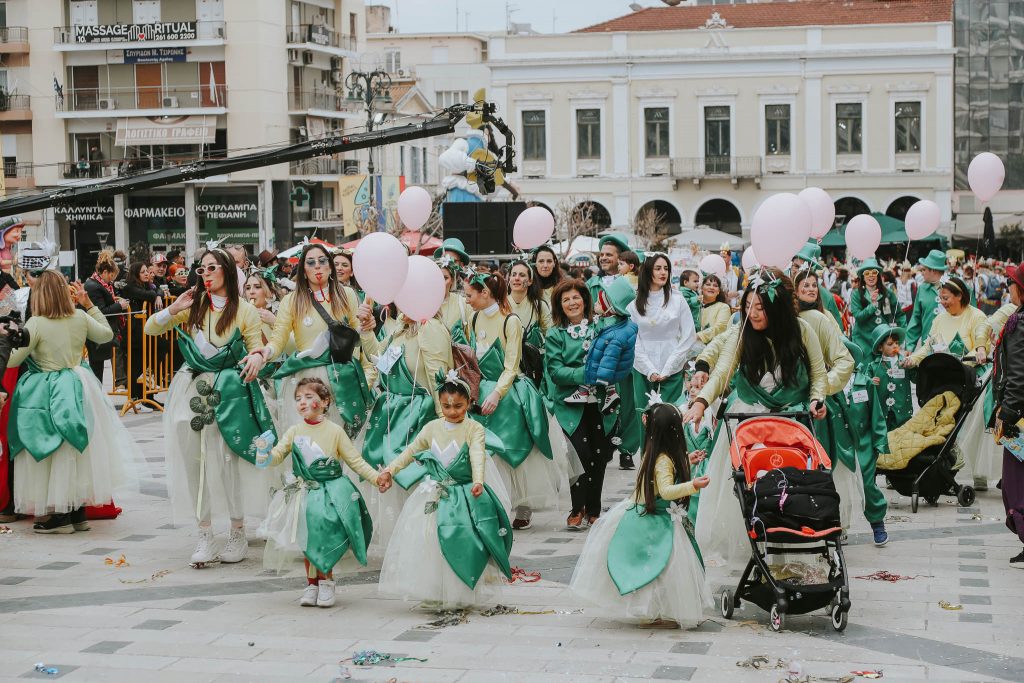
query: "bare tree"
574, 217
648, 226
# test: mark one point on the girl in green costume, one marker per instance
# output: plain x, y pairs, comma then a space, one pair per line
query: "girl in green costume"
320, 513
534, 464
346, 276
689, 287
215, 409
527, 302
66, 442
871, 305
454, 311
640, 560
452, 542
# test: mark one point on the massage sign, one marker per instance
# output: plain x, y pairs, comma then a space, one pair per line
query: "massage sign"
128, 33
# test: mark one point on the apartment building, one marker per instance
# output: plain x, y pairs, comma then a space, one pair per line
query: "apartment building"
116, 87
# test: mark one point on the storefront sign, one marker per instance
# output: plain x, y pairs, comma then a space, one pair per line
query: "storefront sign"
170, 237
166, 130
238, 211
130, 33
85, 214
155, 55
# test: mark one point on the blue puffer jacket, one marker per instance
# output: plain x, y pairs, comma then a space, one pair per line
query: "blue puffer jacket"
610, 359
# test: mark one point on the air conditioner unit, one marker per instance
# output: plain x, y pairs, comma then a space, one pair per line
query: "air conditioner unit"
294, 57
337, 76
401, 72
170, 103
319, 214
336, 63
307, 57
107, 103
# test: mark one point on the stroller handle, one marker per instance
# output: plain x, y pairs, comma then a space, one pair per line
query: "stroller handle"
729, 418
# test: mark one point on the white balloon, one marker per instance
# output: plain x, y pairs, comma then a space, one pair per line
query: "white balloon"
781, 227
823, 210
863, 235
985, 175
414, 207
713, 264
750, 259
923, 219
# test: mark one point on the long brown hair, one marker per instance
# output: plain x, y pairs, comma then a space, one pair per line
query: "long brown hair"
50, 297
781, 343
646, 279
201, 304
800, 277
663, 435
557, 313
533, 294
340, 305
496, 285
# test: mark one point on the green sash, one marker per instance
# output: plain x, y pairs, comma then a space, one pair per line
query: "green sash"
347, 382
240, 409
957, 346
458, 333
642, 546
402, 409
520, 419
336, 516
47, 410
782, 397
470, 530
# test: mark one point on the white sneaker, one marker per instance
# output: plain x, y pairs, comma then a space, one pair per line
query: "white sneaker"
236, 548
309, 595
581, 395
204, 547
325, 597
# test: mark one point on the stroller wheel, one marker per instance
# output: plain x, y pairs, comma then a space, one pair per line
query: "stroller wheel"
913, 503
776, 619
965, 496
727, 603
840, 617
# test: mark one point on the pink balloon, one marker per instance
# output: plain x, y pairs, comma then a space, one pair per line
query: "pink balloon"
985, 175
713, 264
781, 227
380, 264
923, 219
533, 227
414, 207
750, 259
823, 210
863, 235
423, 292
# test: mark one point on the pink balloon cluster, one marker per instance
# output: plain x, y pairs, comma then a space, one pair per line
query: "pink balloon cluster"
823, 210
750, 259
922, 219
381, 265
781, 227
713, 264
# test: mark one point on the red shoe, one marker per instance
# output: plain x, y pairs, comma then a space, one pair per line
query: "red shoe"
108, 511
575, 521
592, 520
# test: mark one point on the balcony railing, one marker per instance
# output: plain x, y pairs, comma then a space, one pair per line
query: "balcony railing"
15, 102
139, 34
327, 101
686, 168
146, 97
19, 169
321, 36
106, 168
13, 34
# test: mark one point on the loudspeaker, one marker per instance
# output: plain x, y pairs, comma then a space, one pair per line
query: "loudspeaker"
459, 221
484, 227
491, 221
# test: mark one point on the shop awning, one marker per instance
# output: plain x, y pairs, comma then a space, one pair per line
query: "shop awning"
166, 130
413, 239
893, 232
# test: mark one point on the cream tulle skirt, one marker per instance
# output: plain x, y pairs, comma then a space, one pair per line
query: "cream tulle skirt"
679, 592
537, 482
983, 455
69, 479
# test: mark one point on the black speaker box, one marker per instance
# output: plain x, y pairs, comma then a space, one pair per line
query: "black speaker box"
484, 227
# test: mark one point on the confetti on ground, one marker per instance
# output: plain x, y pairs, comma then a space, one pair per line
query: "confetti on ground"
977, 517
156, 576
761, 662
868, 674
520, 574
897, 518
944, 604
373, 658
6, 530
119, 562
882, 575
446, 618
48, 670
499, 609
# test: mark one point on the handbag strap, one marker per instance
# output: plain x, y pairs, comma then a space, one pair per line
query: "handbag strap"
323, 312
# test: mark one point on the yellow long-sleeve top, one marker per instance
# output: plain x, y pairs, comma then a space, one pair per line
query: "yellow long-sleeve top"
56, 343
490, 325
713, 351
332, 440
454, 310
997, 320
528, 315
306, 330
665, 482
972, 326
838, 359
426, 349
713, 321
247, 320
437, 435
729, 362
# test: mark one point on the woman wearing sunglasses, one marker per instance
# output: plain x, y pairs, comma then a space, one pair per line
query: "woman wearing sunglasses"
318, 293
214, 409
872, 304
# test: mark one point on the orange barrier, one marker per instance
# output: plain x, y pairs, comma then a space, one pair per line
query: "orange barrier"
152, 365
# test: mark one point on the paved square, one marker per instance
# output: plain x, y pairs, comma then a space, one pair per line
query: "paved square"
159, 620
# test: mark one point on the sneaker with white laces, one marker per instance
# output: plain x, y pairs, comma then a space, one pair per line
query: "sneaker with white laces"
236, 548
581, 395
309, 595
204, 551
325, 597
611, 399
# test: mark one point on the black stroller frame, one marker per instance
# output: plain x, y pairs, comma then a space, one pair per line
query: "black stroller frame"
930, 474
780, 597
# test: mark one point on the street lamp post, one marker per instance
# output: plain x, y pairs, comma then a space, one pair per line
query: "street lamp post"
370, 88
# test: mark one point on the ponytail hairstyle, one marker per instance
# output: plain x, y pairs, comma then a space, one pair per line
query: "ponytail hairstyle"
664, 435
201, 303
496, 285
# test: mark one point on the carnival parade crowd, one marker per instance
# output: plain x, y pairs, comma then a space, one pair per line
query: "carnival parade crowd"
347, 434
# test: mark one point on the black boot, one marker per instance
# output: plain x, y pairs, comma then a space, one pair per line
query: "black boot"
626, 461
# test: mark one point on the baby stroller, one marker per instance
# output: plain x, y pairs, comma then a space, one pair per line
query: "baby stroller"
932, 472
758, 446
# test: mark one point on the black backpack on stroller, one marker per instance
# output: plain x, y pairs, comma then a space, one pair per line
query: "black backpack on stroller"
794, 499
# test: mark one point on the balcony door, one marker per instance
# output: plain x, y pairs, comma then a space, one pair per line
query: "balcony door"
210, 15
84, 13
146, 11
148, 85
85, 85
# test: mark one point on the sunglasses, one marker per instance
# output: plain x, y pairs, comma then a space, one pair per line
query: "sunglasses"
871, 272
314, 262
203, 270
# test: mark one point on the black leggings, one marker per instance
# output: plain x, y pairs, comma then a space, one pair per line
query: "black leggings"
594, 449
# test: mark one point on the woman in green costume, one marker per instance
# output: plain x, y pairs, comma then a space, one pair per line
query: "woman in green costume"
534, 463
527, 302
66, 442
549, 274
320, 513
317, 295
774, 364
640, 560
346, 275
452, 542
871, 305
214, 409
454, 311
665, 335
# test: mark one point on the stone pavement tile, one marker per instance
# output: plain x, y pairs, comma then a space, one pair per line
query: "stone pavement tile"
136, 537
493, 677
974, 583
601, 668
62, 671
113, 661
200, 605
14, 580
58, 566
299, 670
109, 647
156, 624
691, 648
674, 673
100, 551
103, 674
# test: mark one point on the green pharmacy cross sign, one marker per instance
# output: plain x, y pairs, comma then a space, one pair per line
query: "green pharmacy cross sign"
299, 195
